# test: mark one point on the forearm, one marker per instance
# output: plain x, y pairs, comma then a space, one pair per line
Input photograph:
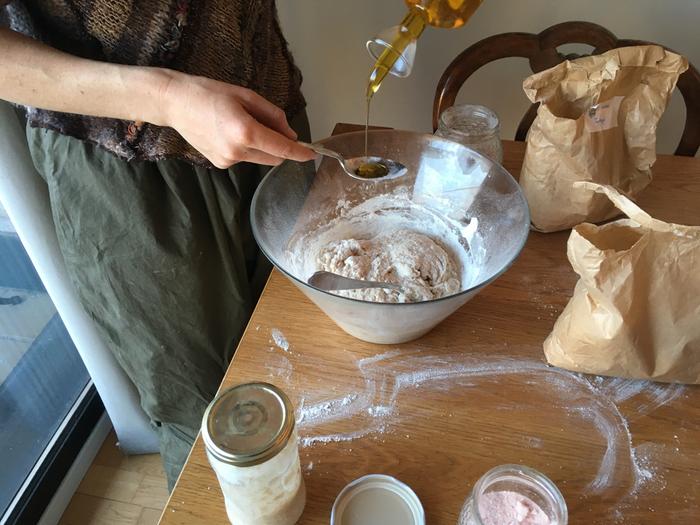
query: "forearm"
224, 122
37, 75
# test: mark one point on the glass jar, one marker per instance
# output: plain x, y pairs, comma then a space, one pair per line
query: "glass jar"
514, 494
476, 127
251, 440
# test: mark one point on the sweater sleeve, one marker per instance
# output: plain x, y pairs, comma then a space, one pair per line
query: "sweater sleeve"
14, 15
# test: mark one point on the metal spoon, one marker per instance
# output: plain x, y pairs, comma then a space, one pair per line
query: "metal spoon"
350, 166
330, 281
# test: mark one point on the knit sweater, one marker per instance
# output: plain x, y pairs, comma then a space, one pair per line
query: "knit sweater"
234, 41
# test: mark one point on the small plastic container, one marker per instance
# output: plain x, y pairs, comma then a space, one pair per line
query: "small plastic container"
252, 445
514, 494
474, 126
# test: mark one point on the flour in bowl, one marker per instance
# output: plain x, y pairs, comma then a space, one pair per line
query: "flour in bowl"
390, 238
419, 264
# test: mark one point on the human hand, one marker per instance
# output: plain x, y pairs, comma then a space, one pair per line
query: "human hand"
228, 123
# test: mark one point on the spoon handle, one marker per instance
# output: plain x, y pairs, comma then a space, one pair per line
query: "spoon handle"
324, 151
333, 281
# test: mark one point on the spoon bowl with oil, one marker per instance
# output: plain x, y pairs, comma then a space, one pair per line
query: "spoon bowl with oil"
363, 168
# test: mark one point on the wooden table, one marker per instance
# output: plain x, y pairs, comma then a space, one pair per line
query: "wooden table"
474, 393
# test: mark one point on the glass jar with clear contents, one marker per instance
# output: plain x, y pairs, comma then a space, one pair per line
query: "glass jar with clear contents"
514, 494
251, 440
476, 127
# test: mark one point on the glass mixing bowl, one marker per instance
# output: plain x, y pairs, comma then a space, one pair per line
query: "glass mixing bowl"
449, 185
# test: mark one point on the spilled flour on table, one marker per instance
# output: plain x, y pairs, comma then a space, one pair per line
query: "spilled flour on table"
594, 400
325, 411
534, 442
375, 409
278, 366
279, 339
620, 390
644, 458
277, 363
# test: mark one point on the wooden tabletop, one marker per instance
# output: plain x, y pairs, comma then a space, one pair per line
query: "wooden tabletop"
474, 393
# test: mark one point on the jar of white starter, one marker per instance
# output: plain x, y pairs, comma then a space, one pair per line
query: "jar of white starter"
252, 444
514, 494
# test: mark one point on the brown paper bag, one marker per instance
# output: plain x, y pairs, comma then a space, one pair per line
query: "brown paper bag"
635, 311
596, 122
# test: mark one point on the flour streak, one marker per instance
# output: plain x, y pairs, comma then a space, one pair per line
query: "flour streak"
280, 340
593, 400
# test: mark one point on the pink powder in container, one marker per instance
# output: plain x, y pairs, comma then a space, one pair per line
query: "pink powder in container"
514, 495
503, 507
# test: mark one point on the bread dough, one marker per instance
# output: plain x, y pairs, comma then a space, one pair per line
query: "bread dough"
421, 266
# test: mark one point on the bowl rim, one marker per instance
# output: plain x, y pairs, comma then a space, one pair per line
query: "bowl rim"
482, 284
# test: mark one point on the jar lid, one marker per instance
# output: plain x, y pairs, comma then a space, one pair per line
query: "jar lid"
377, 499
248, 424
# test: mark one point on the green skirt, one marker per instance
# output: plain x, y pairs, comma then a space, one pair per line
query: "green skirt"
163, 259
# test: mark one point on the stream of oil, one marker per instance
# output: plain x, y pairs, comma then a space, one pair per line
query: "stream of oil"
370, 170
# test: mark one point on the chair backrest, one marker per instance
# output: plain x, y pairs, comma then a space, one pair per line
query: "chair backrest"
541, 51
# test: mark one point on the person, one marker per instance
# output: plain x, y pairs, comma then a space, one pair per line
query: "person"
152, 121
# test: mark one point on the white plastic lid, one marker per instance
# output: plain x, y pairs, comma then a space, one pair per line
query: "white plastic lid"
377, 499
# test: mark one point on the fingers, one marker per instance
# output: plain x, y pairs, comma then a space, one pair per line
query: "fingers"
240, 154
268, 114
259, 157
254, 135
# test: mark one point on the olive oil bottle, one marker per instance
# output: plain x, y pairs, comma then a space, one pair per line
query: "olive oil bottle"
447, 14
394, 48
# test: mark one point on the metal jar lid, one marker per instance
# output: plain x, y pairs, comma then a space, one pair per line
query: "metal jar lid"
377, 499
248, 424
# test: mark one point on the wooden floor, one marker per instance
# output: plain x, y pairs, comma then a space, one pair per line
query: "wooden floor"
119, 490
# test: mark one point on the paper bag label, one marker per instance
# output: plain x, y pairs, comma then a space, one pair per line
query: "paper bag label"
604, 115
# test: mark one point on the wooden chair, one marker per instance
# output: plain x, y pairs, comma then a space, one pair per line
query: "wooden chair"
541, 51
